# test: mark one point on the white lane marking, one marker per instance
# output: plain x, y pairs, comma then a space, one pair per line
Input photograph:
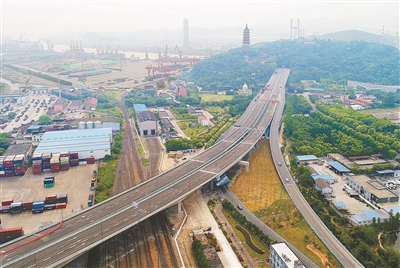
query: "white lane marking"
84, 240
106, 229
116, 224
79, 220
96, 234
68, 225
47, 258
126, 219
98, 211
60, 252
72, 246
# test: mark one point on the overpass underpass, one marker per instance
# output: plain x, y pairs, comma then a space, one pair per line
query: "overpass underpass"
81, 232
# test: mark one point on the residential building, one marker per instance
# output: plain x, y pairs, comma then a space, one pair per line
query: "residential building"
202, 120
60, 105
281, 256
323, 186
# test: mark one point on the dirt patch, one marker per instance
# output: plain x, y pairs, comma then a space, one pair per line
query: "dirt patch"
321, 255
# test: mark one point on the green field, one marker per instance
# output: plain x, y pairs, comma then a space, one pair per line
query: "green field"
215, 98
114, 93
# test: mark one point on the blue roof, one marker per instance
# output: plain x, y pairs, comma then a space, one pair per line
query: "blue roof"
373, 214
395, 209
35, 127
223, 181
325, 177
139, 108
306, 157
339, 167
313, 89
339, 204
360, 217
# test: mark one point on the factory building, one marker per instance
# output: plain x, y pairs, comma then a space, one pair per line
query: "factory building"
87, 142
282, 256
60, 104
75, 105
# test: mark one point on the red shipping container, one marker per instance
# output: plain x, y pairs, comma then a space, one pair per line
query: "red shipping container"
11, 231
9, 164
55, 170
7, 202
2, 175
51, 197
61, 205
19, 169
64, 154
90, 160
37, 172
27, 205
9, 175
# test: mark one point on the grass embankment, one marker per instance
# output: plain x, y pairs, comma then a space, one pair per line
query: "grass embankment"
116, 94
262, 192
215, 97
107, 171
257, 242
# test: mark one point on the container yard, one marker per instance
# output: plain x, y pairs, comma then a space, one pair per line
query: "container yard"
57, 186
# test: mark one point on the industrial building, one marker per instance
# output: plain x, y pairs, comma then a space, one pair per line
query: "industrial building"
327, 178
87, 142
337, 167
75, 105
60, 105
367, 216
282, 256
372, 190
323, 186
91, 104
116, 127
146, 120
17, 149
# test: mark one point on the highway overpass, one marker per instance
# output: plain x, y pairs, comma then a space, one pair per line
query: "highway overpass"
58, 244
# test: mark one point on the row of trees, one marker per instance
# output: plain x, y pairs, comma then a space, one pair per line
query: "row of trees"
4, 142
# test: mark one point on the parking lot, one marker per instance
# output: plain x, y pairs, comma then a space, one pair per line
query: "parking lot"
353, 205
75, 182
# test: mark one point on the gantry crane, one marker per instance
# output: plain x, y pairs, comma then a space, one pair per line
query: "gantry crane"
179, 51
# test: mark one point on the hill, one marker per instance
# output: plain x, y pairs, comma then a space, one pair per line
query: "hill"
350, 35
312, 60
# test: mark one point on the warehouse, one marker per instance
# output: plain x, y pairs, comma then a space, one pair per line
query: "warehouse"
75, 105
87, 142
305, 159
16, 149
60, 104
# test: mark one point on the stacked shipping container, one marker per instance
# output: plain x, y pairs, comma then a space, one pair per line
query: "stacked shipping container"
46, 157
55, 163
73, 159
2, 173
9, 166
37, 164
64, 160
20, 165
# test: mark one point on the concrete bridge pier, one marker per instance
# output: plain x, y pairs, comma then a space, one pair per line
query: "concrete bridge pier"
244, 163
177, 208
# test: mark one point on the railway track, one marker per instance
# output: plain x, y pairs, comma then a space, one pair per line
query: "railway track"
132, 248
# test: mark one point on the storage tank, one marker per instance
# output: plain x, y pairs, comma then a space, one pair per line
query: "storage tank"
97, 124
89, 124
81, 125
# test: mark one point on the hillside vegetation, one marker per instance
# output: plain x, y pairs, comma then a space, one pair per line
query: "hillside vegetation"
313, 60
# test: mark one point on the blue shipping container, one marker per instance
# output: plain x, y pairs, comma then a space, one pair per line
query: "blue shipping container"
5, 209
39, 210
38, 205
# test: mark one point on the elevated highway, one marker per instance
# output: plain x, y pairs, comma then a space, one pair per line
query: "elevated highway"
57, 245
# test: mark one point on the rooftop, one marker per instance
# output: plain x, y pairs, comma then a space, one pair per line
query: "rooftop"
360, 217
201, 118
285, 253
146, 116
322, 184
339, 167
112, 125
76, 134
306, 157
364, 182
15, 149
322, 176
140, 108
339, 204
374, 214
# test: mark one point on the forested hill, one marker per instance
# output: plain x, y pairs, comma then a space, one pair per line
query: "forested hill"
338, 60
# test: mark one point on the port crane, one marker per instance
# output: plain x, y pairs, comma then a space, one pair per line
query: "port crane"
179, 51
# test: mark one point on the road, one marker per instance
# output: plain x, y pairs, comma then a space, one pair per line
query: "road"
333, 244
227, 194
56, 245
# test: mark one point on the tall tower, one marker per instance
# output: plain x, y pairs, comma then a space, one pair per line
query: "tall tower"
246, 37
185, 33
296, 28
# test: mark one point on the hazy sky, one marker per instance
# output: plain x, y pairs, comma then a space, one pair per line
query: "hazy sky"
34, 19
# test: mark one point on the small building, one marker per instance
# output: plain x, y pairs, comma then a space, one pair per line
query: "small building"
339, 205
140, 108
337, 167
322, 186
60, 105
147, 122
304, 159
91, 104
202, 120
181, 91
245, 90
282, 256
75, 105
327, 178
17, 149
367, 216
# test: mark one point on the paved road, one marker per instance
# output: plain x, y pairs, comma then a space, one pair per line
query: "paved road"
77, 234
333, 244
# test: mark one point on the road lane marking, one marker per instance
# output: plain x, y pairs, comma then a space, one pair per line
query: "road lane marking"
96, 235
60, 252
47, 258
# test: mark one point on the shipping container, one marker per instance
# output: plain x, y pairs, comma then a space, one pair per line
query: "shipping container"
9, 175
51, 197
37, 156
64, 154
48, 185
5, 209
90, 160
37, 162
50, 206
27, 205
36, 172
46, 170
37, 205
62, 198
61, 205
16, 208
9, 161
7, 202
9, 234
37, 210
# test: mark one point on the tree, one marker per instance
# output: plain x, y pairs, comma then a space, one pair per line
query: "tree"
45, 120
11, 115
